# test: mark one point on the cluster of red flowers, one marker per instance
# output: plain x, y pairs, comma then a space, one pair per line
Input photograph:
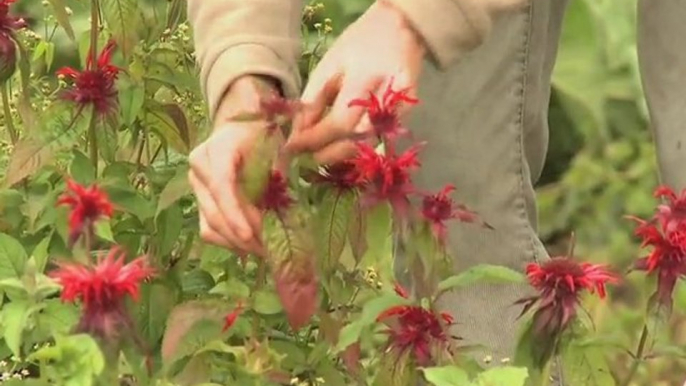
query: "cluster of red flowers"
415, 329
666, 234
8, 48
96, 84
103, 286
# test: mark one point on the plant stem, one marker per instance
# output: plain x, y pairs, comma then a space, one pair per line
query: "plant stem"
9, 123
259, 283
638, 356
93, 143
95, 16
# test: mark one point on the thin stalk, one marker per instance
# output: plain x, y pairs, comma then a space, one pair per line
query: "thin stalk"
93, 143
638, 356
95, 19
9, 122
259, 283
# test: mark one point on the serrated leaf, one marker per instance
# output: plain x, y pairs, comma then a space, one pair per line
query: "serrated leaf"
483, 273
81, 168
333, 217
58, 317
131, 99
122, 16
14, 317
13, 257
75, 360
291, 258
176, 188
169, 226
371, 310
60, 12
446, 376
585, 365
157, 301
197, 282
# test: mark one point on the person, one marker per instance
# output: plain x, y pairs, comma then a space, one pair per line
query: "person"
482, 71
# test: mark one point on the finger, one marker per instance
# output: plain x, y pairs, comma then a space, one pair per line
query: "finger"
210, 236
336, 152
216, 222
340, 121
220, 180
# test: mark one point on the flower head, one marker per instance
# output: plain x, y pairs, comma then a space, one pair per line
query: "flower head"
102, 290
342, 175
387, 177
383, 113
666, 234
8, 47
417, 330
8, 23
231, 317
276, 197
439, 207
559, 282
87, 206
94, 85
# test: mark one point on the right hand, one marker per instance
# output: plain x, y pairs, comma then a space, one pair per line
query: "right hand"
227, 218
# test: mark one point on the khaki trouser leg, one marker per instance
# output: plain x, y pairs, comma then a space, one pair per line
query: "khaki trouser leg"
485, 121
662, 57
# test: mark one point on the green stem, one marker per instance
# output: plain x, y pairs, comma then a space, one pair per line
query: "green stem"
9, 122
259, 283
95, 16
638, 356
93, 143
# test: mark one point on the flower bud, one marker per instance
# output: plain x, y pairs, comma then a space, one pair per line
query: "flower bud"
8, 58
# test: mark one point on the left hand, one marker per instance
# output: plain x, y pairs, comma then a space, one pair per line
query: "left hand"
378, 48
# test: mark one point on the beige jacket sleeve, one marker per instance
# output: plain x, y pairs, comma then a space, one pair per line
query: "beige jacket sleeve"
234, 38
451, 28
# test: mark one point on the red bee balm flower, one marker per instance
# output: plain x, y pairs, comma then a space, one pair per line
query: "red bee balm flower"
276, 197
559, 282
87, 206
102, 290
341, 175
387, 177
231, 317
666, 233
416, 329
8, 48
94, 85
383, 113
439, 208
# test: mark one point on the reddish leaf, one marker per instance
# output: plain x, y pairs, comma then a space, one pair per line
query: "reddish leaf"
357, 231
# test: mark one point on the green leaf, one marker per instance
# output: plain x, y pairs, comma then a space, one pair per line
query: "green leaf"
231, 288
447, 376
131, 99
130, 201
81, 168
103, 230
371, 310
157, 302
49, 55
585, 365
41, 255
483, 273
60, 12
169, 224
176, 188
159, 121
334, 214
197, 282
505, 376
267, 303
380, 243
258, 164
58, 317
13, 257
14, 317
75, 360
122, 16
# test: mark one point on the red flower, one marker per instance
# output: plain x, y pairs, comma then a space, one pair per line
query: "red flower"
8, 47
439, 207
275, 106
560, 282
341, 175
387, 177
230, 319
9, 24
276, 197
383, 113
87, 206
416, 329
666, 234
102, 290
95, 85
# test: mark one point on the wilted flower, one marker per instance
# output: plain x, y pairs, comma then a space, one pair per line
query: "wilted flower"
87, 206
276, 197
559, 282
439, 207
94, 85
383, 113
102, 290
8, 48
387, 177
342, 175
415, 329
666, 234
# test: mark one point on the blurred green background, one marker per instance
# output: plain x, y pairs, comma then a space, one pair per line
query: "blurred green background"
601, 162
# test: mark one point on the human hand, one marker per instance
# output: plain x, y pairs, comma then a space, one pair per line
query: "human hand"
227, 218
378, 50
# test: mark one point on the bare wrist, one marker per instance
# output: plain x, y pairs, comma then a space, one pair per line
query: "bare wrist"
244, 95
